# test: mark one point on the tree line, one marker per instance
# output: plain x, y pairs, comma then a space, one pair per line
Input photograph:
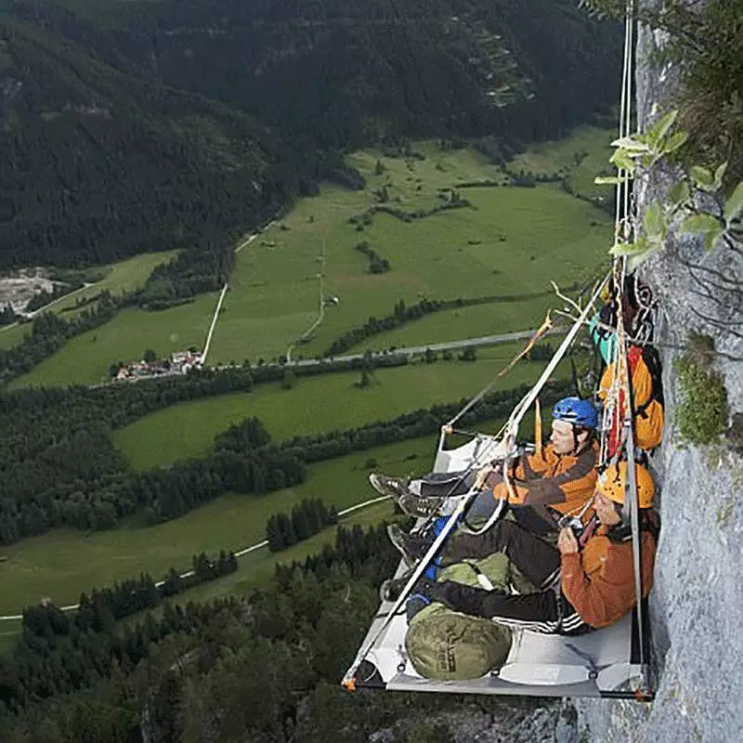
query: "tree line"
60, 652
454, 201
377, 264
309, 517
169, 284
403, 313
49, 332
7, 315
59, 290
261, 667
58, 465
99, 611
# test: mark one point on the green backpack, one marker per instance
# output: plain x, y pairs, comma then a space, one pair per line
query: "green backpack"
448, 646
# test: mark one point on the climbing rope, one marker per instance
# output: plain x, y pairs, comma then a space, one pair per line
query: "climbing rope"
619, 399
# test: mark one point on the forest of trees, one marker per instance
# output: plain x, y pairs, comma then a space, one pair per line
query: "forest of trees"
261, 668
309, 517
49, 332
377, 264
107, 681
7, 315
102, 164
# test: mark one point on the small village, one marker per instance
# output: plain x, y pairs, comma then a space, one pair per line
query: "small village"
180, 362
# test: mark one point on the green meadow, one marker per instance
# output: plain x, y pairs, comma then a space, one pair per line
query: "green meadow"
510, 244
12, 335
513, 241
256, 568
315, 405
63, 563
582, 155
119, 278
86, 358
125, 276
9, 632
451, 325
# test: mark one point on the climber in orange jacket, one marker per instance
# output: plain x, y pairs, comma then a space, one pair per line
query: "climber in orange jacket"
543, 487
595, 569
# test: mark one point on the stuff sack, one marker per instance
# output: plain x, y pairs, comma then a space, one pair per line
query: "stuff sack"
647, 398
649, 425
446, 645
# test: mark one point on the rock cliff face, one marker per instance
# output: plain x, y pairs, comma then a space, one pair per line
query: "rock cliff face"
697, 602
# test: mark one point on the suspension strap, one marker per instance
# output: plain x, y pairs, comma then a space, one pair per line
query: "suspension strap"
538, 428
631, 496
512, 426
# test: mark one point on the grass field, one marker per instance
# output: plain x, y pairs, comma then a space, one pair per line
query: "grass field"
12, 335
63, 563
9, 632
583, 155
453, 325
514, 238
315, 405
256, 569
120, 277
513, 243
86, 359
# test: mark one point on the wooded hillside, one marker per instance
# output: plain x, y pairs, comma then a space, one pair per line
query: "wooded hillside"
182, 124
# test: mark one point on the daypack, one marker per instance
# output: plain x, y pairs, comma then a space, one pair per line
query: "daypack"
647, 398
449, 646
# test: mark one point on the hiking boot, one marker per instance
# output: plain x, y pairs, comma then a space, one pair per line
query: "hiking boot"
418, 506
411, 546
391, 589
395, 487
409, 503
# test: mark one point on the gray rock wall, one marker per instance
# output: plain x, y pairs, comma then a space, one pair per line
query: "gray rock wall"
697, 602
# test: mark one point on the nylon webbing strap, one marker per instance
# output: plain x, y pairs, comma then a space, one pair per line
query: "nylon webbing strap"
520, 410
632, 496
625, 234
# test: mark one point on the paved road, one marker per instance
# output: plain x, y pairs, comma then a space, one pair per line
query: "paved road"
208, 343
485, 340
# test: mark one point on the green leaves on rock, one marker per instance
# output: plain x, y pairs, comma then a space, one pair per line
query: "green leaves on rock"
734, 206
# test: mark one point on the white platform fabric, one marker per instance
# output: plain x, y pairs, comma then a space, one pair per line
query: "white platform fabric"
597, 663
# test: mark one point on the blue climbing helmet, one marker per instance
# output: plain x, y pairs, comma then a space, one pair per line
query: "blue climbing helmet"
579, 412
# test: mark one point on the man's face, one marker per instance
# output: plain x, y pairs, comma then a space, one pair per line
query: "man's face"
562, 437
605, 510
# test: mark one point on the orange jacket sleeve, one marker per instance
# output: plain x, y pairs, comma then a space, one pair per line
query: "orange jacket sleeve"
605, 592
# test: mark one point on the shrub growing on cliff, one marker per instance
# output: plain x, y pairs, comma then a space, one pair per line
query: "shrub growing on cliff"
702, 412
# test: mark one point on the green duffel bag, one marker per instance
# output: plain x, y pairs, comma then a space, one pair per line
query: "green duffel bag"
449, 646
